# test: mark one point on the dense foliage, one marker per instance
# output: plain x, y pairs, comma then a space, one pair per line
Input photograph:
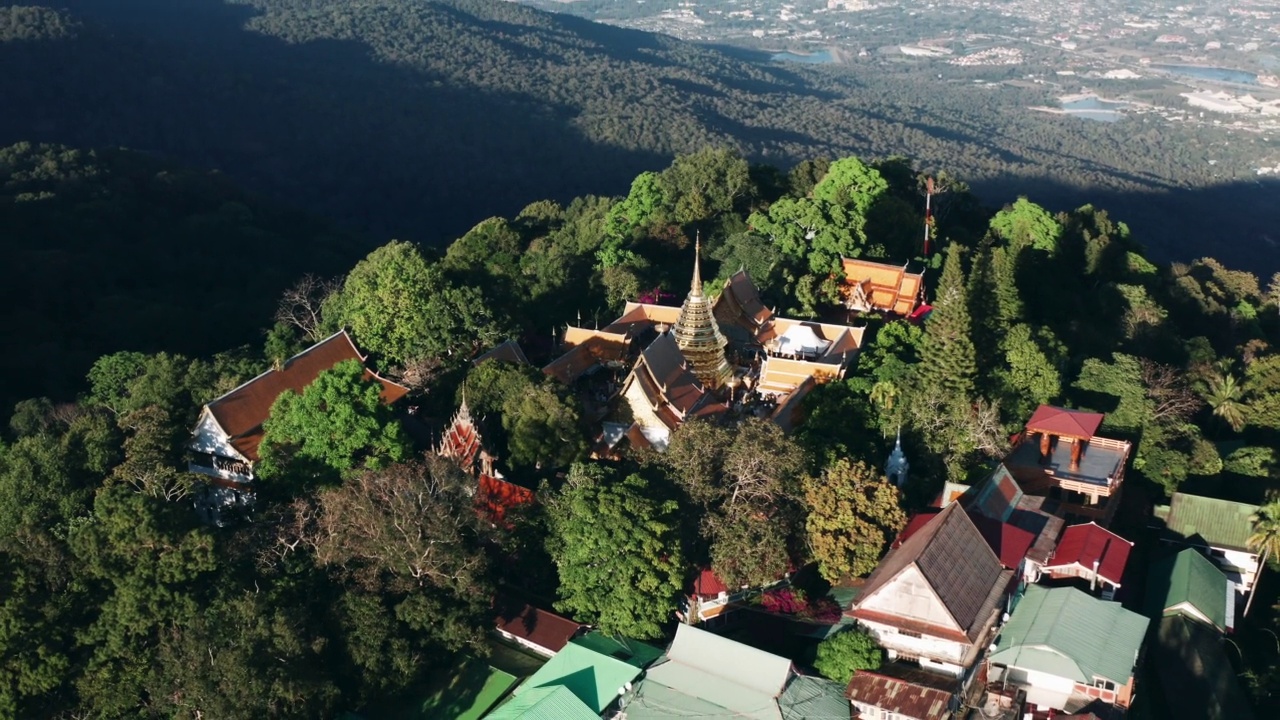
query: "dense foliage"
366, 568
414, 118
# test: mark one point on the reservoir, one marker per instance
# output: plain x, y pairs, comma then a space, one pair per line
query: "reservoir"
1217, 74
1094, 108
822, 57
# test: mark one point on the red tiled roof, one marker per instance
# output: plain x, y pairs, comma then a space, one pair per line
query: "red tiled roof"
496, 496
1066, 423
1085, 544
916, 522
241, 412
708, 584
537, 626
899, 696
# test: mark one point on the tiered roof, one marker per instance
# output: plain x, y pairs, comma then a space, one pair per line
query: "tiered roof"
881, 287
461, 440
241, 412
698, 335
587, 349
739, 304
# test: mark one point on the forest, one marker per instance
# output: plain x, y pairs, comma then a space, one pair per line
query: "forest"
394, 118
119, 602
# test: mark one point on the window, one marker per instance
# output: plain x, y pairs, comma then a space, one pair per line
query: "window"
910, 633
1104, 684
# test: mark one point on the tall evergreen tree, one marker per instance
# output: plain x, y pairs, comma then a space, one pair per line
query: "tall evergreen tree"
949, 366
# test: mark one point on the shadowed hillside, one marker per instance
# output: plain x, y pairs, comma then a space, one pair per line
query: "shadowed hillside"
416, 119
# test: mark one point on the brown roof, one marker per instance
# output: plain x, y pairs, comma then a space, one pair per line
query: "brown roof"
535, 625
508, 351
669, 376
588, 348
241, 412
1066, 423
958, 564
740, 303
638, 316
784, 375
900, 696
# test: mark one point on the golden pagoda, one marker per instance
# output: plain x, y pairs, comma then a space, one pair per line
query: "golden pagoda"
697, 334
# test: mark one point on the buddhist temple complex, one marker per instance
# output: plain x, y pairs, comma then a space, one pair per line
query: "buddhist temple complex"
733, 355
698, 335
878, 287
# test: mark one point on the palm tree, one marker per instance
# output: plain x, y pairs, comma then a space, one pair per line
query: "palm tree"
1265, 537
1225, 395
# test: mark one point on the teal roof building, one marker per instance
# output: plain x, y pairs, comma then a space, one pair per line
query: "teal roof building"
1189, 584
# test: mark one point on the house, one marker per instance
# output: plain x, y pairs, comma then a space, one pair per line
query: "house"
880, 287
663, 392
1067, 649
1060, 455
999, 498
903, 693
705, 675
1188, 584
936, 598
1009, 542
813, 698
541, 631
1194, 674
597, 670
224, 444
554, 702
1218, 528
1093, 554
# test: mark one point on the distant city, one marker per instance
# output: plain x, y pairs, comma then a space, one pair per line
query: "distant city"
1196, 63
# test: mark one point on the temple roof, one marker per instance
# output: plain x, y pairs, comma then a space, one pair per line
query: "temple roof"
587, 349
637, 317
241, 412
888, 288
461, 439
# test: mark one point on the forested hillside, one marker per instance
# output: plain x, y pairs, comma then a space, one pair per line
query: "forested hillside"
114, 250
367, 570
412, 118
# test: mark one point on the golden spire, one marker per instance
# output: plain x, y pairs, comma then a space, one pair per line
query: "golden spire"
697, 334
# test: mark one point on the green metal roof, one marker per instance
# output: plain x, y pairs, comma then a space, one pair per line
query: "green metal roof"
1218, 523
1188, 578
1068, 633
544, 703
812, 698
594, 678
632, 652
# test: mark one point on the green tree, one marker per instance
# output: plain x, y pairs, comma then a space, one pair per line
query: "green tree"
845, 653
706, 183
1225, 396
616, 550
948, 367
543, 427
337, 424
1265, 536
1025, 224
853, 514
1030, 375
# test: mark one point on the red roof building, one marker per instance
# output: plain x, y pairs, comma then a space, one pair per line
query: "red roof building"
495, 497
916, 697
229, 431
1076, 424
1009, 542
1093, 553
539, 630
461, 440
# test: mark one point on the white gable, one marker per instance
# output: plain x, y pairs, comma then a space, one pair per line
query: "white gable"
209, 437
908, 595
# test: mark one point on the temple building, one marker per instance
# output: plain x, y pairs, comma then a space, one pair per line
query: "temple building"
663, 391
494, 495
698, 335
224, 444
879, 287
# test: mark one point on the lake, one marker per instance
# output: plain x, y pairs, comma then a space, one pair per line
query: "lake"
1217, 74
822, 57
1095, 108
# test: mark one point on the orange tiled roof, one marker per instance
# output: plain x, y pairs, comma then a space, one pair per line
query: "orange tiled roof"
241, 412
888, 288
